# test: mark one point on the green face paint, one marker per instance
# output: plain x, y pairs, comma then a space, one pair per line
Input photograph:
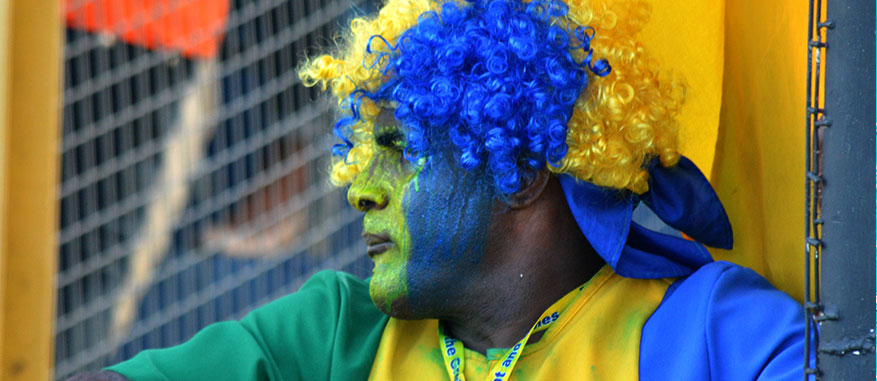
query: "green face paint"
425, 226
379, 191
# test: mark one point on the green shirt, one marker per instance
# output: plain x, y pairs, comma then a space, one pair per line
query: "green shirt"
328, 330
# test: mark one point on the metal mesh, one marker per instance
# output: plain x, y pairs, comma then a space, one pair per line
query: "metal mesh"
816, 121
193, 189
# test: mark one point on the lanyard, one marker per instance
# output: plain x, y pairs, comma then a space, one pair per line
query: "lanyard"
452, 349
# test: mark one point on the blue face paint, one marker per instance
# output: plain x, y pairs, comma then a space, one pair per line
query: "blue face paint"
448, 216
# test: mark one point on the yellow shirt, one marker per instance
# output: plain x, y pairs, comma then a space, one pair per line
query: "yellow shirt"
597, 337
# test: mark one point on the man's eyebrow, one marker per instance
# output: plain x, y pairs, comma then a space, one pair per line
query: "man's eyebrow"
386, 118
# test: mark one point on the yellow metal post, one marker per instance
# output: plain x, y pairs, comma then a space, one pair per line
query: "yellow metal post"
4, 126
30, 88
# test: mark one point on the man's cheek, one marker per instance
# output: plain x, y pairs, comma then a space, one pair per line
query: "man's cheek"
448, 216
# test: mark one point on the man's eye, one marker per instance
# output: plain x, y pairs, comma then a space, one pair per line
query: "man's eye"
391, 139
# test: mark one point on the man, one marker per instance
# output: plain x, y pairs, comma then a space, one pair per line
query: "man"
498, 149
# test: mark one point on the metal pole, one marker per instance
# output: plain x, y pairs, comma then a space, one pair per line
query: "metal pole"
29, 136
846, 334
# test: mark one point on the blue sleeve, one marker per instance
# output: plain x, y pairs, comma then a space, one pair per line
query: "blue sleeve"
724, 322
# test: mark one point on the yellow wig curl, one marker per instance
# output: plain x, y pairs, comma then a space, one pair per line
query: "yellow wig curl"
618, 123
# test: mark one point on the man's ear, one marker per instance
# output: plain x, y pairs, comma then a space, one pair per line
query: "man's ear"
531, 188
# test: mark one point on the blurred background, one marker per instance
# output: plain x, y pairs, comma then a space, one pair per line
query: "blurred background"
194, 169
162, 167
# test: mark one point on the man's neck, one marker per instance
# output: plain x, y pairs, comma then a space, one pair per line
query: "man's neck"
500, 319
545, 256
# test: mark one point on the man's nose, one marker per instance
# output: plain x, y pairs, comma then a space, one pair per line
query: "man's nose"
365, 197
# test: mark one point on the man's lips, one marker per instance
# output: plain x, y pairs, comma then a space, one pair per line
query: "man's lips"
377, 243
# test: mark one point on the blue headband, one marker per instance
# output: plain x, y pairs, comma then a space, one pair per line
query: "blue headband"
680, 196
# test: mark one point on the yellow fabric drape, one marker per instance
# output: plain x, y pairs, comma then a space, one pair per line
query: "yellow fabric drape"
758, 170
742, 122
687, 37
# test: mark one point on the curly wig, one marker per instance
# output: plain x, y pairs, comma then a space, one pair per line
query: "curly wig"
511, 85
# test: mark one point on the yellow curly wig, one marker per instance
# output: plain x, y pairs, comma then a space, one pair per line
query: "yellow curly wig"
617, 124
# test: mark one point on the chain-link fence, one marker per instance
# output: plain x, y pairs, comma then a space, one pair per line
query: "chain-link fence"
194, 169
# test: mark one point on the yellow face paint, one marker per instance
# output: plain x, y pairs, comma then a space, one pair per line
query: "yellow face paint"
379, 191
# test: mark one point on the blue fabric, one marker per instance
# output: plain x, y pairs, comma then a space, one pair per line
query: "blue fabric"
681, 196
602, 214
723, 322
648, 255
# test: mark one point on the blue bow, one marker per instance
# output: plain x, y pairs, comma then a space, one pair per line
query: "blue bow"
680, 196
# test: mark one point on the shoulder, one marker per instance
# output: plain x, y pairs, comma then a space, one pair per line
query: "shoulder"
323, 294
729, 292
724, 322
329, 299
341, 283
329, 326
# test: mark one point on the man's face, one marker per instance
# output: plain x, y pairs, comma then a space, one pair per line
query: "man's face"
425, 226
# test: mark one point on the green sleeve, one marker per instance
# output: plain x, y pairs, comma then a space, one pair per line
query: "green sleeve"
328, 330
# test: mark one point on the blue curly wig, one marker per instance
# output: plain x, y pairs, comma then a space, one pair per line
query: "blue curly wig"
496, 78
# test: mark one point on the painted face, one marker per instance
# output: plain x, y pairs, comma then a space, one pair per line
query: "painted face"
425, 226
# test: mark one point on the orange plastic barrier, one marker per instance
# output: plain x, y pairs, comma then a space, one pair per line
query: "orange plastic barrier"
192, 27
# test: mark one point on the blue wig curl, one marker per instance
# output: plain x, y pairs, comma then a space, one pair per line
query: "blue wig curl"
496, 78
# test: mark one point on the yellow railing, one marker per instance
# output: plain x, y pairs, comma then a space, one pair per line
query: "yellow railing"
30, 73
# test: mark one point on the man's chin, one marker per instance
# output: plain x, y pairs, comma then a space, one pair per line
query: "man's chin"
398, 308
